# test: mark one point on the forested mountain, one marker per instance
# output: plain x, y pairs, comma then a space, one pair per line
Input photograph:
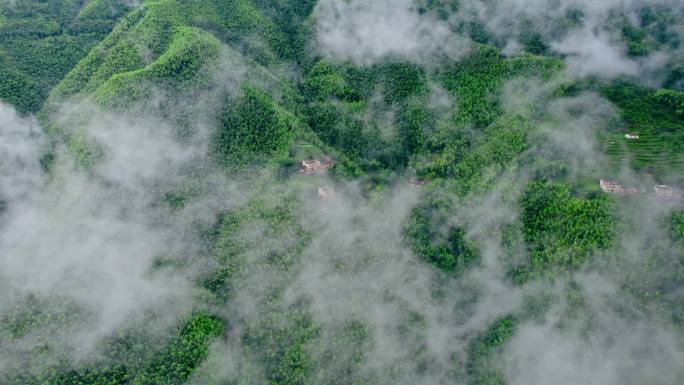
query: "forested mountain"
359, 192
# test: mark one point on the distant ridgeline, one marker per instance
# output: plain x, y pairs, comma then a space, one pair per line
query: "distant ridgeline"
450, 131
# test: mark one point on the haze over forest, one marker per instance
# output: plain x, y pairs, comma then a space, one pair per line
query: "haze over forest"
342, 192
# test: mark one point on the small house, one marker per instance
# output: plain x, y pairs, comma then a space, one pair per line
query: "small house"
611, 187
310, 166
663, 190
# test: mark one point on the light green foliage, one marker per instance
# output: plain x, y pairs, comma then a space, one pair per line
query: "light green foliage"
326, 80
477, 80
179, 66
153, 46
563, 230
472, 161
149, 43
481, 141
240, 22
114, 54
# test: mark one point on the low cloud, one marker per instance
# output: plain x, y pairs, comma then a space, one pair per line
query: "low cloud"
91, 235
587, 33
597, 346
589, 53
364, 31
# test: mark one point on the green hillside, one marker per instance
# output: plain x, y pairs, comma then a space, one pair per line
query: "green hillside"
159, 224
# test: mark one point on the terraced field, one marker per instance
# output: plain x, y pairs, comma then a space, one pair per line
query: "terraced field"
653, 153
305, 150
659, 150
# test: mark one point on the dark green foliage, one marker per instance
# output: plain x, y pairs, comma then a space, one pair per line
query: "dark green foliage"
673, 99
98, 16
186, 350
19, 90
414, 121
475, 31
239, 233
290, 18
484, 349
677, 225
173, 364
401, 81
115, 54
440, 8
655, 29
675, 76
563, 230
636, 39
344, 353
40, 42
339, 128
451, 251
651, 30
532, 39
117, 375
279, 341
219, 283
534, 44
278, 337
253, 129
267, 31
343, 112
346, 116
